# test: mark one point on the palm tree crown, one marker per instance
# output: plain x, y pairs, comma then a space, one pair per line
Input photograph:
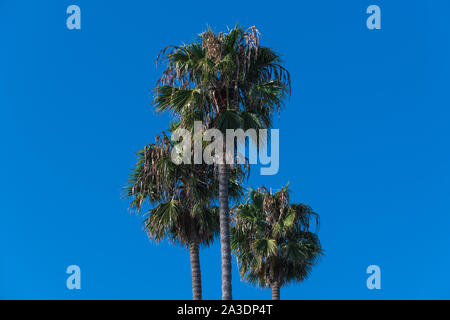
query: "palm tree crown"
226, 80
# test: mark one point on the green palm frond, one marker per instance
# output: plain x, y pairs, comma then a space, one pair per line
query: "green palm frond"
228, 119
265, 247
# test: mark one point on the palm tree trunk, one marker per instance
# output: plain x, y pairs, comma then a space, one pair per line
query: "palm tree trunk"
195, 271
225, 231
276, 291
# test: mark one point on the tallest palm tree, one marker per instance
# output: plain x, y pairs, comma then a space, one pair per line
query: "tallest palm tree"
227, 81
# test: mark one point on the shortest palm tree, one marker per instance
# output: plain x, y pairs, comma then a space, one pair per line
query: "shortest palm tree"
272, 239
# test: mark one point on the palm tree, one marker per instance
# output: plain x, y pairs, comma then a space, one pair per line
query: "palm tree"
182, 201
272, 239
227, 81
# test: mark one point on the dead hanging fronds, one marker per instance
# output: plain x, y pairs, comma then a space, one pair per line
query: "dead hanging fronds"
275, 205
251, 39
174, 74
213, 45
151, 176
248, 46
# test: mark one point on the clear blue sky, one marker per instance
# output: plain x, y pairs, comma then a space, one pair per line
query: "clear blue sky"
364, 141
